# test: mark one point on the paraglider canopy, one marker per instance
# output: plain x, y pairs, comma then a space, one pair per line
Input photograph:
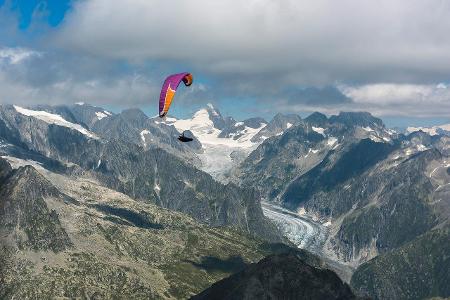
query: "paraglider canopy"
169, 88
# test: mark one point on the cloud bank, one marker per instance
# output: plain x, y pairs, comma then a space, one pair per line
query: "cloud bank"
387, 57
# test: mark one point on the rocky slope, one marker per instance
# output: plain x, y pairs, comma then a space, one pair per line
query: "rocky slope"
372, 197
25, 218
284, 276
276, 126
376, 192
151, 175
281, 159
417, 270
70, 237
133, 126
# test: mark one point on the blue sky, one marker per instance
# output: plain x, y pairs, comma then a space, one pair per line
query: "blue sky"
390, 58
53, 11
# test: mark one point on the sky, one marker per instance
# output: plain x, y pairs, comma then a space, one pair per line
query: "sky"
249, 58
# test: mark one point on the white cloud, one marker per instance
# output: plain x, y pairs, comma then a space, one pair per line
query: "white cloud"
30, 77
291, 41
401, 99
388, 56
16, 55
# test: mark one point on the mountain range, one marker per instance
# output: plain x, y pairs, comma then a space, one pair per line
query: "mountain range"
82, 187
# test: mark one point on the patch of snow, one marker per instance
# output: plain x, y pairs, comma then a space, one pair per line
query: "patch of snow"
53, 119
375, 139
327, 224
237, 124
4, 144
368, 129
319, 130
421, 147
100, 115
386, 139
331, 141
143, 133
169, 119
107, 113
391, 132
79, 103
288, 125
301, 211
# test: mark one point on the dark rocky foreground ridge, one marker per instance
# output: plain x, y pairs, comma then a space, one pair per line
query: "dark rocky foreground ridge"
282, 276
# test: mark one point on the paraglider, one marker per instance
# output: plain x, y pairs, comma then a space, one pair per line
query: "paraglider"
169, 88
184, 139
168, 92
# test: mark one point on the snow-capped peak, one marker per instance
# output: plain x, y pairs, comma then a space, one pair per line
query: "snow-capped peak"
435, 130
225, 142
53, 119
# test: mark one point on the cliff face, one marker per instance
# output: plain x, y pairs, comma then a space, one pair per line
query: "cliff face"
25, 219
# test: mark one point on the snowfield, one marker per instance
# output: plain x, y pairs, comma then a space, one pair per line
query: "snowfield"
219, 155
54, 119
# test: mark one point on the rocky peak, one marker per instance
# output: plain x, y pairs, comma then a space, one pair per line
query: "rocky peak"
254, 122
216, 117
5, 169
133, 114
317, 119
89, 114
28, 181
363, 119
